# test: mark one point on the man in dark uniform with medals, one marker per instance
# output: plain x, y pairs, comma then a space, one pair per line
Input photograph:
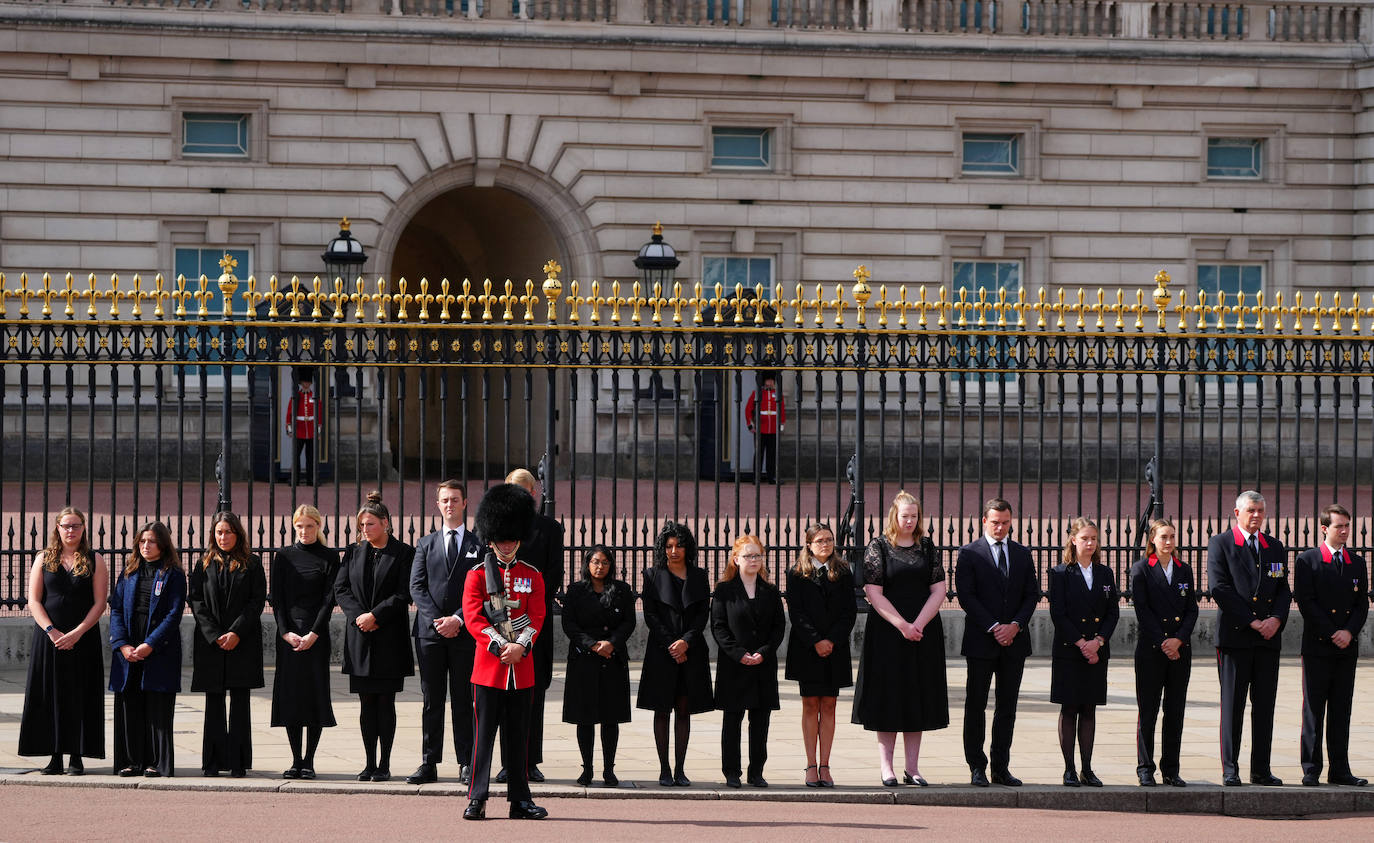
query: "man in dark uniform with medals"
503, 608
1331, 588
1248, 574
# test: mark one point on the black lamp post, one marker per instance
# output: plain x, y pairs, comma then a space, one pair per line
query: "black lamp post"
343, 257
657, 264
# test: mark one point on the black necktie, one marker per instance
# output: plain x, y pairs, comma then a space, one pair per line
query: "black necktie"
1336, 557
1254, 550
452, 548
1001, 560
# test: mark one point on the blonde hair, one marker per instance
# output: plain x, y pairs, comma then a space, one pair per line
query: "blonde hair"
305, 510
1070, 556
521, 477
899, 500
732, 568
806, 560
52, 554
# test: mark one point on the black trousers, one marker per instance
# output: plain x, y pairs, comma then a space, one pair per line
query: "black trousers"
1008, 669
445, 671
535, 753
1328, 692
143, 727
228, 748
510, 711
768, 456
1156, 676
1254, 671
306, 447
730, 723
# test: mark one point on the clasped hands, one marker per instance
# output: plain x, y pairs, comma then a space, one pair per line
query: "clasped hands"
678, 650
133, 654
1005, 633
1267, 628
1089, 647
300, 643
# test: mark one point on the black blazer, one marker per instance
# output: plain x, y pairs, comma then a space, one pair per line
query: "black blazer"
1245, 592
544, 551
989, 598
1163, 609
236, 608
742, 626
671, 614
436, 590
586, 620
384, 653
819, 610
1330, 598
1080, 612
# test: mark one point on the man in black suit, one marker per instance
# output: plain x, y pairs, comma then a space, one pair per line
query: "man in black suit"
1165, 599
1331, 588
443, 647
544, 551
1247, 571
998, 588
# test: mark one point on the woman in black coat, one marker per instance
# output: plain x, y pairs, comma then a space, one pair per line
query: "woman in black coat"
677, 668
302, 601
820, 603
748, 622
598, 617
227, 592
373, 589
1083, 607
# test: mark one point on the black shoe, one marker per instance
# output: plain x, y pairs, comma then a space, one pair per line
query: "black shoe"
308, 773
424, 774
680, 779
1173, 781
535, 775
731, 781
129, 772
608, 778
1266, 779
1006, 779
291, 773
501, 776
1348, 780
54, 767
1070, 778
756, 781
210, 772
665, 779
1148, 780
465, 774
382, 774
526, 810
892, 782
586, 777
977, 779
1232, 780
1089, 778
152, 773
907, 778
76, 768
1310, 780
237, 773
476, 810
367, 774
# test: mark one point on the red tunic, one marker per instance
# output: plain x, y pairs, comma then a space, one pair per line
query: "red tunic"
523, 583
772, 412
301, 411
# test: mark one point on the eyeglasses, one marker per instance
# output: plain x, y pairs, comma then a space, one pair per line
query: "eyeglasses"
822, 541
751, 557
76, 526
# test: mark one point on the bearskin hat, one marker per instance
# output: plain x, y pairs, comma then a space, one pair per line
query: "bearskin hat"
505, 514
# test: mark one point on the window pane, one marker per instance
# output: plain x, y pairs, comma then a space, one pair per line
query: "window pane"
215, 134
1235, 158
987, 275
997, 154
740, 147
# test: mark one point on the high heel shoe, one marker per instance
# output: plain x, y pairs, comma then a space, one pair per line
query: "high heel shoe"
825, 779
908, 778
808, 781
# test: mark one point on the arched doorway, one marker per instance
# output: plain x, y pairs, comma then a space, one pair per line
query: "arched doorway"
488, 419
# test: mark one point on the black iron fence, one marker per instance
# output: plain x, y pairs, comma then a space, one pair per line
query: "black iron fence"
632, 406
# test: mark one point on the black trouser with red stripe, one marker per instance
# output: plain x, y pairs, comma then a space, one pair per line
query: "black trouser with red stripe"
510, 711
1328, 691
1254, 670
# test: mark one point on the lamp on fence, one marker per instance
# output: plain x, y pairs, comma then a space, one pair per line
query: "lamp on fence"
657, 264
343, 257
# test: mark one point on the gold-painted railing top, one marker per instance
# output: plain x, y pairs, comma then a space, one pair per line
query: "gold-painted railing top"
616, 304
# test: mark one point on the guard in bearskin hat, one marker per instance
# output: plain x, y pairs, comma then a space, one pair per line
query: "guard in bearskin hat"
503, 607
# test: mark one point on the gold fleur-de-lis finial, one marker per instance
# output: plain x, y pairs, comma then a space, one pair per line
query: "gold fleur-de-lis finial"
551, 269
227, 263
344, 224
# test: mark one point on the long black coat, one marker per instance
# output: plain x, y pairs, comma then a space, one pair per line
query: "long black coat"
385, 652
1330, 598
742, 626
544, 551
227, 601
597, 689
819, 610
1247, 591
671, 613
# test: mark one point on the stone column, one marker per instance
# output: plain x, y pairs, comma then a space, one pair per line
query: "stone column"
1135, 19
887, 15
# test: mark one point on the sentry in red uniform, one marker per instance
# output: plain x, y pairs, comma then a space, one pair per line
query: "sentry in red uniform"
302, 411
524, 605
772, 412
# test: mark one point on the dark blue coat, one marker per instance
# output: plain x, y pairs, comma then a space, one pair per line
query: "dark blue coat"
162, 669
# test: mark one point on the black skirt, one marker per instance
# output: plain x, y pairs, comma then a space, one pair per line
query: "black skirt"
1075, 682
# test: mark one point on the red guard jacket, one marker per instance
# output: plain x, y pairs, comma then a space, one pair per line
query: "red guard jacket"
772, 411
524, 599
302, 411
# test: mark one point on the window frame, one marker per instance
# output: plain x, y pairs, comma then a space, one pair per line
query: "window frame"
242, 145
779, 129
244, 254
1015, 166
1258, 156
255, 112
766, 135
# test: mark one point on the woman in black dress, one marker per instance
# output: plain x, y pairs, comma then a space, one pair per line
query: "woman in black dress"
145, 654
748, 622
373, 589
677, 668
1083, 607
820, 603
64, 700
302, 601
901, 686
598, 617
227, 592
